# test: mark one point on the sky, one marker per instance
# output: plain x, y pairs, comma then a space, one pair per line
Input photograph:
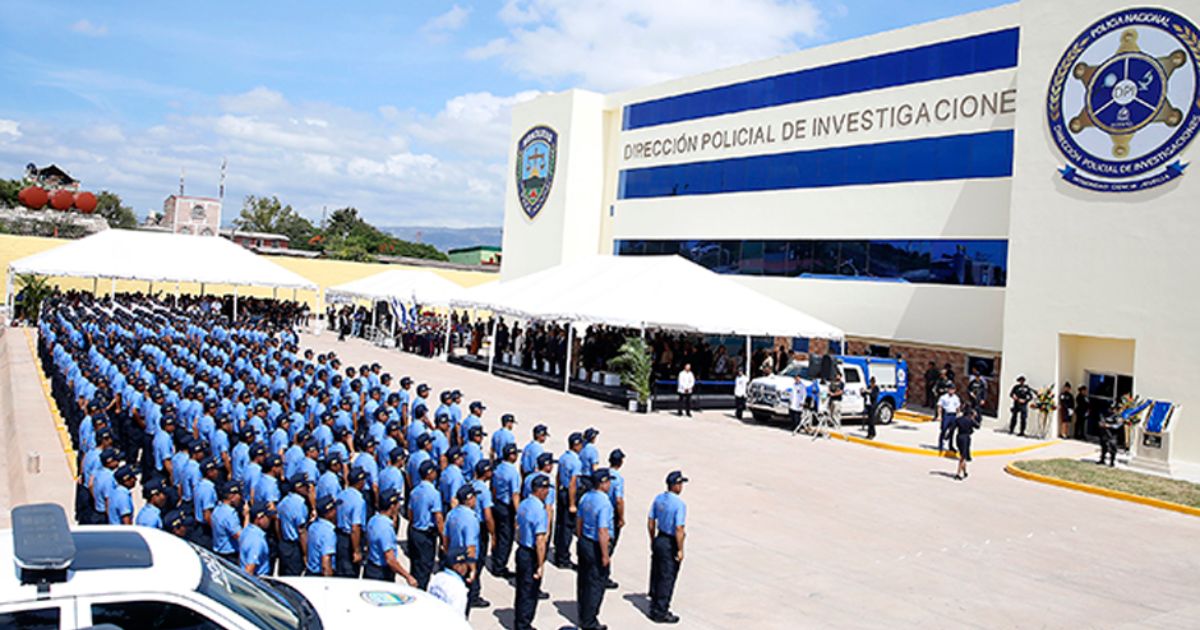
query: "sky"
400, 109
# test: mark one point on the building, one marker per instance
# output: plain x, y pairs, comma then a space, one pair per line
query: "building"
484, 255
191, 215
257, 240
1002, 191
50, 178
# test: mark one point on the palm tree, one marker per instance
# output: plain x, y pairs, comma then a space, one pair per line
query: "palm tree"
34, 290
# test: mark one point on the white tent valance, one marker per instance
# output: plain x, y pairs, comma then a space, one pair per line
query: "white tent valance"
159, 257
666, 292
407, 285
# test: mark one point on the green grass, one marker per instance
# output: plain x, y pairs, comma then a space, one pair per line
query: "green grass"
1088, 472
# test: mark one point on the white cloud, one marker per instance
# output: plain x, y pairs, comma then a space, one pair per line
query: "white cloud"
85, 27
10, 128
618, 44
472, 124
258, 100
439, 27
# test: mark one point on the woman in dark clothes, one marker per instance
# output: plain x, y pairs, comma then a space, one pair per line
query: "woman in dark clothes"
967, 423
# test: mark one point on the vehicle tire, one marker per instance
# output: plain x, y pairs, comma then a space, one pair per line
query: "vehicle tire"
761, 416
884, 414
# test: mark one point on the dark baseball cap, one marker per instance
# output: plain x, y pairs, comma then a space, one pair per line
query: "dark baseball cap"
197, 447
124, 472
174, 519
389, 498
326, 504
509, 449
423, 387
452, 453
475, 432
231, 488
601, 475
459, 555
540, 429
272, 461
299, 479
443, 417
425, 467
154, 487
108, 455
545, 458
482, 466
617, 455
261, 508
465, 492
675, 477
397, 453
590, 434
257, 450
575, 438
507, 418
477, 404
540, 481
405, 381
357, 475
423, 439
207, 465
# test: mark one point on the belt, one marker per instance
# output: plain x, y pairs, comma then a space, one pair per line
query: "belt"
424, 531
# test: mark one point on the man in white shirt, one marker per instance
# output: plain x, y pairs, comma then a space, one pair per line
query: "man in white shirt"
796, 402
948, 406
739, 392
450, 584
686, 383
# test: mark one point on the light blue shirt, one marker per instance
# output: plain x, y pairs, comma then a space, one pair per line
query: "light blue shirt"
449, 483
120, 504
596, 513
501, 438
415, 430
252, 549
351, 510
569, 466
413, 468
483, 498
530, 455
205, 499
531, 521
589, 458
293, 512
506, 481
322, 541
381, 538
391, 478
462, 528
329, 485
423, 503
616, 489
164, 449
149, 516
669, 512
472, 454
225, 525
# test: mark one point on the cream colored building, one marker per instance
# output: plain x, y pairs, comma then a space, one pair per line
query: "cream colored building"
910, 188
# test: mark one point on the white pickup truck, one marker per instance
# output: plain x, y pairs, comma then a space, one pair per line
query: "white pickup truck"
767, 397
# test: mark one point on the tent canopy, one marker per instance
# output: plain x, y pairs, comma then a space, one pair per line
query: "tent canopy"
159, 257
666, 292
418, 285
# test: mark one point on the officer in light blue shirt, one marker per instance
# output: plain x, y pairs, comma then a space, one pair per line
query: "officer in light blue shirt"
419, 456
321, 557
472, 451
474, 419
226, 522
281, 436
351, 523
293, 514
667, 519
532, 538
589, 456
103, 481
506, 490
425, 523
503, 436
569, 490
330, 483
417, 427
533, 449
267, 489
391, 478
593, 527
240, 455
383, 561
463, 532
452, 477
616, 494
120, 500
253, 551
164, 448
204, 501
151, 513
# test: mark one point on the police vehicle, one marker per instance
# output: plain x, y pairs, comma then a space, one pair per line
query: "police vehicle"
137, 577
767, 397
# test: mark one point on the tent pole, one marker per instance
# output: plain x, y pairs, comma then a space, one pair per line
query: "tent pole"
374, 313
235, 303
294, 294
201, 289
448, 332
177, 295
95, 286
112, 289
274, 293
567, 365
492, 346
746, 368
394, 318
8, 292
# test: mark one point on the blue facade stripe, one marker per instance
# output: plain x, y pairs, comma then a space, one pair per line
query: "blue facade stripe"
968, 156
954, 58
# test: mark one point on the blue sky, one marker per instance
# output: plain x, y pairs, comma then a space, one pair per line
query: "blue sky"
398, 108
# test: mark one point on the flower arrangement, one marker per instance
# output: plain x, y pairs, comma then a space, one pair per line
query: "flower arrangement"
1045, 401
1127, 402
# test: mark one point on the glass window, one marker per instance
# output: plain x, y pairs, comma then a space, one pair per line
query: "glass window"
852, 376
257, 603
158, 615
753, 253
881, 351
986, 366
36, 619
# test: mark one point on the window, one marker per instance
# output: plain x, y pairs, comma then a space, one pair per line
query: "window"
985, 365
37, 619
852, 376
875, 350
158, 615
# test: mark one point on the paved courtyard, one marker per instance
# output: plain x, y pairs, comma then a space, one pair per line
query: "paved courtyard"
787, 532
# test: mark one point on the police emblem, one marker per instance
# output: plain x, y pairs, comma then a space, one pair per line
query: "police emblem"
1124, 101
537, 155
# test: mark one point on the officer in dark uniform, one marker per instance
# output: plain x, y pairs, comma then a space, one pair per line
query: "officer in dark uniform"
425, 524
593, 528
666, 525
532, 536
1021, 396
1110, 424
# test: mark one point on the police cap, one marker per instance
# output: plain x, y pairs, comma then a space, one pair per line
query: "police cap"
675, 477
617, 455
465, 492
601, 475
426, 467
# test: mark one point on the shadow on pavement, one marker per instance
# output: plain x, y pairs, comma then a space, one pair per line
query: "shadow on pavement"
569, 610
505, 616
942, 473
640, 601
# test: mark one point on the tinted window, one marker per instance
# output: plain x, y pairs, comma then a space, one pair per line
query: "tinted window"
852, 376
158, 615
40, 619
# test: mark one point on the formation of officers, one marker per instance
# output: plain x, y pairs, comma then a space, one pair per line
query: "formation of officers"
281, 461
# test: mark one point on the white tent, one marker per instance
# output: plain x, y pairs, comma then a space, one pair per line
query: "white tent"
406, 285
159, 257
665, 292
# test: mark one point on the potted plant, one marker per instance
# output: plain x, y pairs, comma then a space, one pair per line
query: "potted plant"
634, 366
34, 290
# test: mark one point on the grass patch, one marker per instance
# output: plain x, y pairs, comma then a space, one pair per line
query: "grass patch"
1141, 484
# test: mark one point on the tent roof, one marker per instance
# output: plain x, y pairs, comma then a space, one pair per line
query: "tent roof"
159, 257
666, 292
420, 285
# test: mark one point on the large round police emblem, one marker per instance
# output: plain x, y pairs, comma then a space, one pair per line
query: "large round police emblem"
1124, 101
537, 155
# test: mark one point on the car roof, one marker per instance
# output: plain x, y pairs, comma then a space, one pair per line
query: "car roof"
110, 559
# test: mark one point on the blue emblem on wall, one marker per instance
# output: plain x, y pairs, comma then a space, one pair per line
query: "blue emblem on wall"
537, 155
1124, 101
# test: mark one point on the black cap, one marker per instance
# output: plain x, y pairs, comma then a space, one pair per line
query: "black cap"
452, 453
154, 487
299, 479
426, 466
590, 434
601, 475
261, 508
676, 477
389, 498
423, 387
196, 447
509, 449
540, 429
207, 465
231, 488
575, 438
465, 492
272, 461
475, 432
476, 404
174, 519
124, 472
257, 450
540, 481
544, 459
326, 504
405, 381
507, 418
443, 417
357, 475
109, 455
397, 453
482, 466
459, 555
617, 455
103, 433
423, 439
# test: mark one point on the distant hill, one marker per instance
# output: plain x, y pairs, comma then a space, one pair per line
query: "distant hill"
448, 238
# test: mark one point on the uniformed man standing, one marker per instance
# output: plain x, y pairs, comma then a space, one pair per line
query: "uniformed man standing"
948, 407
383, 558
503, 436
253, 552
569, 468
593, 528
666, 527
462, 531
351, 521
425, 524
1110, 424
532, 535
483, 511
450, 584
534, 448
321, 557
293, 514
506, 491
227, 522
616, 494
836, 389
739, 393
1021, 396
151, 513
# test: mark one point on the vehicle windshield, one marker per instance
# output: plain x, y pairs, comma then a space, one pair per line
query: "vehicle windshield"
245, 595
796, 367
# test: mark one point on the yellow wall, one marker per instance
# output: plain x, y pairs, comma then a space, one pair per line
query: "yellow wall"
325, 273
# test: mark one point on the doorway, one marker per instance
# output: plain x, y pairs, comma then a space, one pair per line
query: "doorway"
1105, 389
1105, 366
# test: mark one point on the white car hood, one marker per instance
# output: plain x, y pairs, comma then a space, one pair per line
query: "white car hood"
360, 604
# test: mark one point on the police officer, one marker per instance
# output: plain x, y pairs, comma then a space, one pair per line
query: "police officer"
253, 551
227, 522
1021, 396
462, 531
450, 584
351, 521
452, 477
506, 490
589, 455
569, 469
473, 451
293, 514
151, 513
204, 501
593, 528
532, 537
483, 509
1110, 424
120, 500
176, 522
425, 524
383, 561
535, 447
616, 494
503, 436
666, 526
321, 557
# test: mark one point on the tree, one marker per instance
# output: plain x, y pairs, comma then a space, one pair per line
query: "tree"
348, 237
633, 364
118, 215
262, 214
9, 189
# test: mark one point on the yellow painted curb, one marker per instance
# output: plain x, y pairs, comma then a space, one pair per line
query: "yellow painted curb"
912, 416
60, 427
1104, 492
913, 450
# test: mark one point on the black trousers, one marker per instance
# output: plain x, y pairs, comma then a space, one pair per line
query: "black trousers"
739, 406
590, 582
525, 604
481, 554
344, 565
1108, 445
505, 516
422, 551
685, 404
291, 558
564, 529
231, 558
870, 421
664, 568
376, 572
1023, 412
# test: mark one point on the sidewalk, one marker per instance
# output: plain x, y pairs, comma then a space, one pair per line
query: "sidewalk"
921, 438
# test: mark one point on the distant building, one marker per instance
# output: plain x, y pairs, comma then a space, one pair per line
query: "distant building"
257, 240
50, 178
191, 215
483, 255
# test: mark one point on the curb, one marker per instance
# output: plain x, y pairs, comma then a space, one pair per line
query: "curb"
1104, 492
60, 427
912, 416
913, 450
